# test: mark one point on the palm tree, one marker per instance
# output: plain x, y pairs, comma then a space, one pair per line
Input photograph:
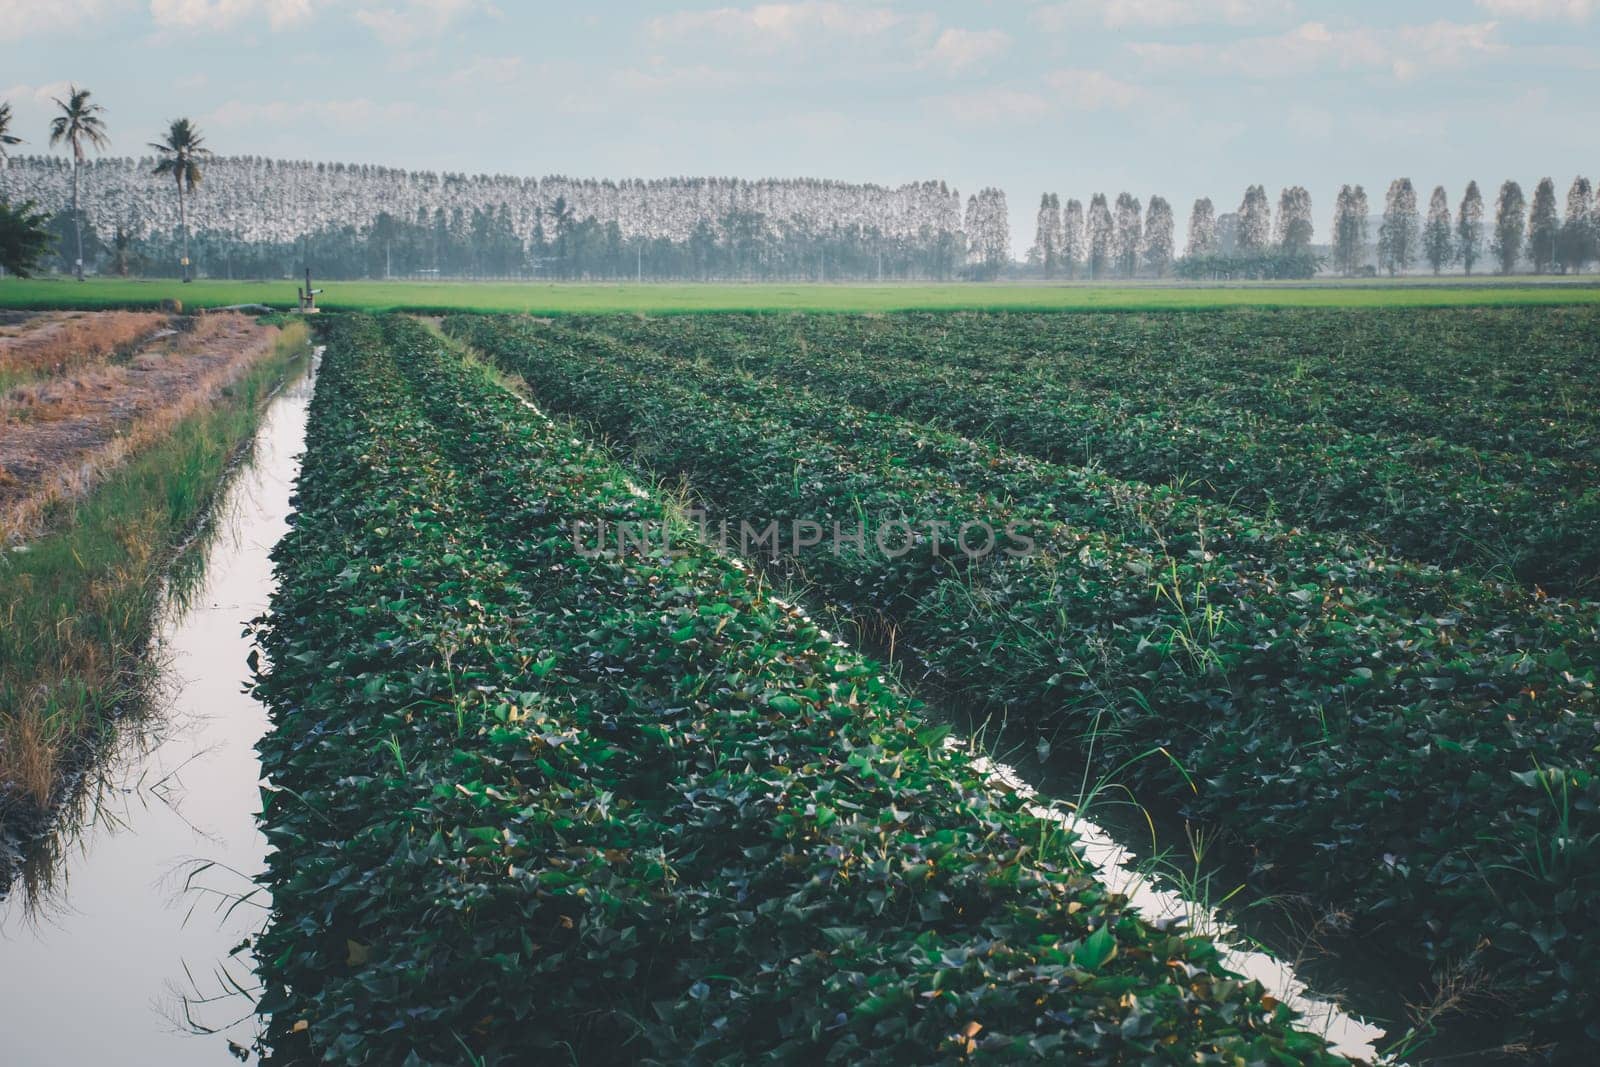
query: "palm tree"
181, 154
78, 124
7, 138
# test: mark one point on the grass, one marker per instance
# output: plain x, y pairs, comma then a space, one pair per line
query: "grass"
85, 341
77, 603
573, 298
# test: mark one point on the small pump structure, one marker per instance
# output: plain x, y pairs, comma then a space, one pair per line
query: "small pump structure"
307, 298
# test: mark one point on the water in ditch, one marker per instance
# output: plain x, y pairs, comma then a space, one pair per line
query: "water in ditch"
120, 942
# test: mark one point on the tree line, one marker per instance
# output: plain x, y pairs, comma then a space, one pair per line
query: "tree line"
1124, 239
1111, 241
268, 218
254, 217
1536, 233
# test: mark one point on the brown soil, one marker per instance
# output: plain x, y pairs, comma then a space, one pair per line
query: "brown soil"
59, 434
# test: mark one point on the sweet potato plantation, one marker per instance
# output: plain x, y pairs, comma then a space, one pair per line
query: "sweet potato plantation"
628, 806
1315, 583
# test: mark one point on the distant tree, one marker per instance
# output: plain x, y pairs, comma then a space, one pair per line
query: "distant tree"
1438, 242
1350, 229
1127, 236
1506, 245
180, 156
7, 138
1578, 239
1072, 238
1047, 235
1202, 230
122, 261
1228, 234
79, 124
988, 233
1101, 229
1255, 221
1158, 237
1294, 230
24, 238
1544, 227
1469, 226
1397, 235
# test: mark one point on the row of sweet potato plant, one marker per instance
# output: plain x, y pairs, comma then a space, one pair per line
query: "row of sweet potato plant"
1428, 490
1407, 746
1496, 379
528, 799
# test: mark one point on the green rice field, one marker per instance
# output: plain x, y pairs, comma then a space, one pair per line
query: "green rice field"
576, 298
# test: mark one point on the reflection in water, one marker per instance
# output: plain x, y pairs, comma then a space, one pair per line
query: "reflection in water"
128, 929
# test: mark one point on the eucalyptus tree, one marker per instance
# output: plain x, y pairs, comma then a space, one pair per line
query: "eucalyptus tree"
1509, 223
1127, 234
1072, 250
988, 231
1438, 242
1046, 248
79, 124
1544, 227
1397, 235
1293, 231
1255, 221
1100, 231
1350, 229
1202, 230
1469, 227
1577, 245
1158, 236
180, 154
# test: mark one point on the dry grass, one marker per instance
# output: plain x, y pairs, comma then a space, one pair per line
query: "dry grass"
48, 346
76, 604
59, 435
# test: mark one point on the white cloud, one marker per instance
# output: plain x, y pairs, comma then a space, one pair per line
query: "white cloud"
414, 20
22, 18
1572, 10
356, 114
986, 106
660, 77
1313, 46
960, 49
38, 95
1118, 14
1093, 90
197, 15
487, 70
771, 27
1064, 91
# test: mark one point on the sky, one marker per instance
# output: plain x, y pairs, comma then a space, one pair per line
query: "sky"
1181, 98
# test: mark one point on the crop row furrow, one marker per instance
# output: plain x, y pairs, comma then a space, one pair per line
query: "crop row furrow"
1406, 745
621, 806
1495, 378
1493, 510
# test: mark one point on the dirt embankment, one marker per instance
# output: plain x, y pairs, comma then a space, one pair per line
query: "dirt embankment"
92, 394
39, 345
